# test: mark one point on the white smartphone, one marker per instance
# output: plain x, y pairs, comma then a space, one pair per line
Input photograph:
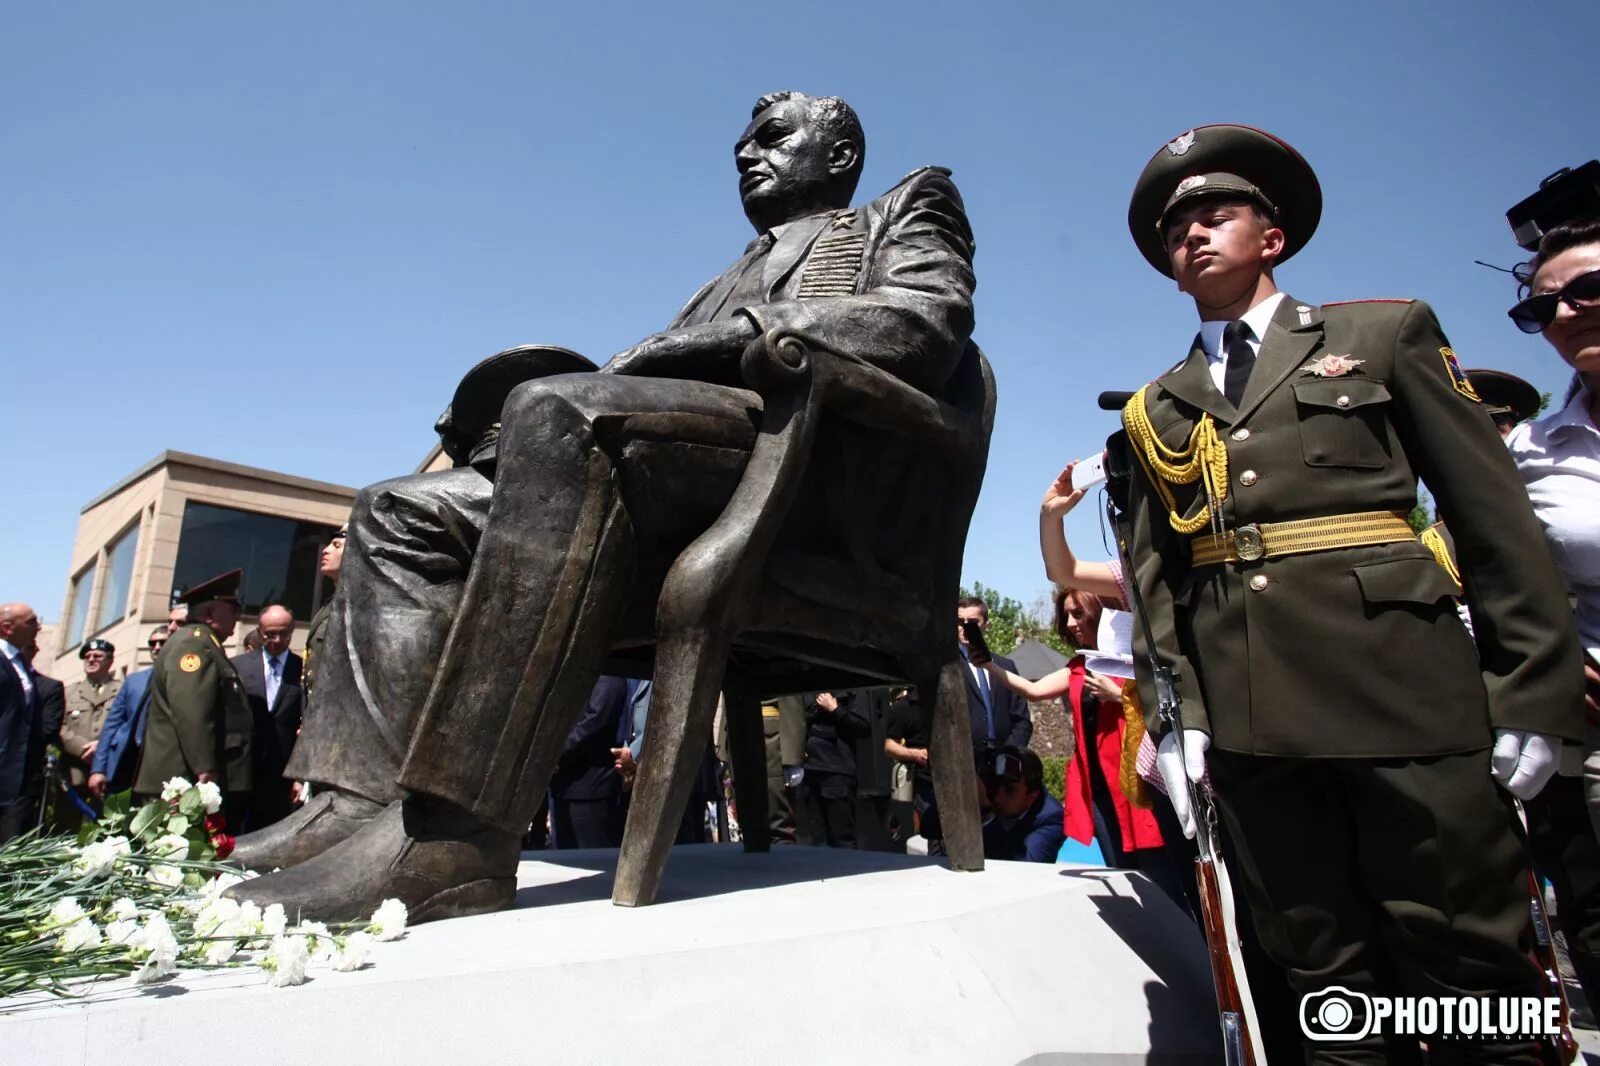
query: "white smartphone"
1089, 472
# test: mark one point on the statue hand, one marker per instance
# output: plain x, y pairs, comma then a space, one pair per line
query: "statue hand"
643, 359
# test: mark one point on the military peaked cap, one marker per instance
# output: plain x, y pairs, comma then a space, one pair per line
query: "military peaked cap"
482, 393
97, 645
223, 588
1224, 160
1505, 394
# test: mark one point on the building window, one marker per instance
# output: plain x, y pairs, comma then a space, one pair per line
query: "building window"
279, 556
119, 579
78, 612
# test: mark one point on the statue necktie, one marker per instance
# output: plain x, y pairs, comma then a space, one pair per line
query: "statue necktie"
1241, 358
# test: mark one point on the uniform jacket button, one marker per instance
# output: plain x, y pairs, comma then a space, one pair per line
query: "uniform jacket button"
1258, 582
1343, 401
1240, 434
1247, 478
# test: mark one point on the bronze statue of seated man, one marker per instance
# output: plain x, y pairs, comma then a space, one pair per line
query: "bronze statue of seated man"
477, 606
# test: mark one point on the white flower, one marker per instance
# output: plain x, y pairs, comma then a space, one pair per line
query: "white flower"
211, 795
214, 915
273, 920
389, 920
164, 874
121, 931
175, 788
214, 888
100, 858
318, 938
158, 947
77, 936
124, 910
250, 917
66, 911
218, 952
352, 952
169, 844
286, 960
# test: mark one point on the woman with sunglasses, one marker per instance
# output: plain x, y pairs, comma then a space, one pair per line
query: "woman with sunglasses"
1559, 455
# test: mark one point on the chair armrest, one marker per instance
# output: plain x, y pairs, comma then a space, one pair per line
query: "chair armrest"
854, 389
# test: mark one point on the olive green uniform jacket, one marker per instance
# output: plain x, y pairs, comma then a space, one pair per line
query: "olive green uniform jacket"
1353, 652
199, 718
87, 705
311, 657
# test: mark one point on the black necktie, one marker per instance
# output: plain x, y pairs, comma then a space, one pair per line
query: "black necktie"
1240, 359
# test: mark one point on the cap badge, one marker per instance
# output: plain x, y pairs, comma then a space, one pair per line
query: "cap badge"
1332, 366
1181, 143
1193, 181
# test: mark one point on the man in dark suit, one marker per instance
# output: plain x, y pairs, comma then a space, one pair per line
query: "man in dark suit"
999, 715
21, 730
581, 521
586, 809
1363, 752
271, 679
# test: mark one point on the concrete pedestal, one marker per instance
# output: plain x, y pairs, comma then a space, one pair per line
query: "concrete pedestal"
804, 956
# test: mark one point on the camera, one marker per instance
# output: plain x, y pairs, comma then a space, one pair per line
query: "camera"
1564, 196
1336, 1013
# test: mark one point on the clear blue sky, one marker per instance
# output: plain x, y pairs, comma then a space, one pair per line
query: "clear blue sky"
278, 235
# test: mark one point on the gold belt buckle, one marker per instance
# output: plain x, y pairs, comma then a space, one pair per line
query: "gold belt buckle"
1247, 543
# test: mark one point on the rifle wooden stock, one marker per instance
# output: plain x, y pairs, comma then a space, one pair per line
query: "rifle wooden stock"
1544, 950
1239, 1042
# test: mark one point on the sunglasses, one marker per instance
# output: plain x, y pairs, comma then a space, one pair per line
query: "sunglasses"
1536, 313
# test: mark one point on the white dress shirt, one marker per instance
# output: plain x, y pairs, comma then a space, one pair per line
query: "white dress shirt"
1258, 318
1559, 459
19, 666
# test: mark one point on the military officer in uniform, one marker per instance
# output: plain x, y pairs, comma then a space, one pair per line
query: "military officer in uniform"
199, 721
88, 701
1360, 747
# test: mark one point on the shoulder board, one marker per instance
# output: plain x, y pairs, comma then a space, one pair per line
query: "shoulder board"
1374, 300
915, 174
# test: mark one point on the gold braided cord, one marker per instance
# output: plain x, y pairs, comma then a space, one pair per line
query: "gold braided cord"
1133, 786
1205, 459
1433, 540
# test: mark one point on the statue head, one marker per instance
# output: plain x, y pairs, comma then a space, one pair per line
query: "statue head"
799, 155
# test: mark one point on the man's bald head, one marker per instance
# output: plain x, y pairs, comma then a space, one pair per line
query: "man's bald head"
277, 629
19, 626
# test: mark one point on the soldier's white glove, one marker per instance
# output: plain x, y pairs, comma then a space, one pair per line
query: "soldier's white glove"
1177, 773
1523, 762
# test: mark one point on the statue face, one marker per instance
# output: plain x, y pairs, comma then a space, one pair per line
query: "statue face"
787, 167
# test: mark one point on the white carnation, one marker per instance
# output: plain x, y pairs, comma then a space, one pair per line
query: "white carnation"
219, 884
389, 920
218, 952
169, 844
124, 910
158, 947
164, 874
121, 931
214, 915
77, 936
175, 788
100, 858
285, 961
66, 911
319, 940
273, 920
250, 917
352, 952
211, 795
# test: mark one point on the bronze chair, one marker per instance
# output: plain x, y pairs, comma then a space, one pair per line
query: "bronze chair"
765, 603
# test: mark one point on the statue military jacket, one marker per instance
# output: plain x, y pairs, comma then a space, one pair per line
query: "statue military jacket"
199, 721
1354, 652
87, 705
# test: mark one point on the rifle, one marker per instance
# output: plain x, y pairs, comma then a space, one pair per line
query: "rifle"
1544, 952
1241, 1032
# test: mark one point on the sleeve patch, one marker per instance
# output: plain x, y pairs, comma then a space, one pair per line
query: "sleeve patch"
189, 663
1458, 377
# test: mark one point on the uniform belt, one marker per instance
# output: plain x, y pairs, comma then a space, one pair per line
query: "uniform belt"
1267, 540
770, 711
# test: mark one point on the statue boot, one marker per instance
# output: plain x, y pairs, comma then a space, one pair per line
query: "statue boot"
437, 860
327, 818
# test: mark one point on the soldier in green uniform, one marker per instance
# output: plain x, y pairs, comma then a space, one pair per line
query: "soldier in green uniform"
199, 725
87, 701
1355, 733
